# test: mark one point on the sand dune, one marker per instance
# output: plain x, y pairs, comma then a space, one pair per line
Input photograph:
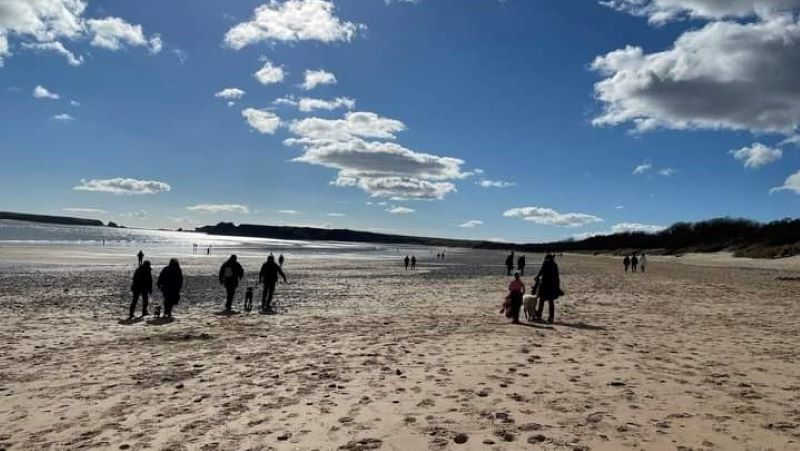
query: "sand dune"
364, 355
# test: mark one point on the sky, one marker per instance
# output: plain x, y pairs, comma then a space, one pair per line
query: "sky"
514, 120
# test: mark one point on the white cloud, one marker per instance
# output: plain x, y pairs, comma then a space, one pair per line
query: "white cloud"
285, 100
85, 210
725, 75
661, 11
113, 33
307, 104
494, 183
219, 208
74, 103
269, 73
472, 223
263, 121
642, 168
121, 185
141, 214
548, 216
40, 92
292, 20
289, 212
336, 215
666, 172
230, 94
63, 117
400, 210
355, 124
314, 78
757, 155
625, 227
619, 207
56, 47
792, 183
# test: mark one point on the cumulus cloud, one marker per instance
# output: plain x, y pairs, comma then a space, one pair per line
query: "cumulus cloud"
292, 20
725, 75
495, 184
44, 26
757, 155
270, 73
63, 117
219, 208
792, 183
127, 186
230, 94
661, 11
354, 125
307, 104
314, 78
264, 121
548, 216
40, 92
400, 210
55, 47
471, 224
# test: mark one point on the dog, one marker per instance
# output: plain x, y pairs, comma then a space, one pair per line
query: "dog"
248, 299
529, 306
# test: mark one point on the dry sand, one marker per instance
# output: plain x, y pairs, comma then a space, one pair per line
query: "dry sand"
364, 355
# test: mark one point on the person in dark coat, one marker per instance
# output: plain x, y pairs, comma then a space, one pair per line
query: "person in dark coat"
634, 262
269, 277
407, 261
549, 287
170, 282
413, 262
281, 260
627, 262
516, 289
229, 275
509, 263
142, 285
140, 256
521, 264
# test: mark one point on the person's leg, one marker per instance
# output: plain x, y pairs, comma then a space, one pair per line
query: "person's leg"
133, 304
516, 303
145, 302
271, 287
540, 309
230, 290
167, 305
264, 292
551, 313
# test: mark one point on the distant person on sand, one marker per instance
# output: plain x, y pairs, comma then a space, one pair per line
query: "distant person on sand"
549, 287
413, 262
269, 277
516, 289
140, 255
521, 264
510, 263
142, 285
406, 261
627, 262
280, 260
643, 262
170, 282
442, 255
229, 275
634, 263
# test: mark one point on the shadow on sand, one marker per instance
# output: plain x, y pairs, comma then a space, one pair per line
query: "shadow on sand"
537, 325
131, 321
160, 321
226, 313
580, 325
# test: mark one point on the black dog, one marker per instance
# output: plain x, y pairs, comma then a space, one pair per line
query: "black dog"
248, 299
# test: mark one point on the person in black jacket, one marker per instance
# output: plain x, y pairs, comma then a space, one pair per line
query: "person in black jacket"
229, 275
521, 264
269, 277
549, 287
170, 282
142, 285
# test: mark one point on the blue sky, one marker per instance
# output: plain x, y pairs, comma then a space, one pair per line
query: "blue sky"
521, 120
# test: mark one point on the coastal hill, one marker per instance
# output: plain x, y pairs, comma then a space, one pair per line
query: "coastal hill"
66, 220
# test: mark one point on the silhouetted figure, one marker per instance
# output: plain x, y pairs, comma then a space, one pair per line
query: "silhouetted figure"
509, 263
516, 289
643, 262
208, 250
170, 282
140, 255
413, 262
634, 263
229, 275
406, 261
549, 287
269, 277
280, 260
248, 299
438, 256
442, 255
627, 262
521, 264
142, 285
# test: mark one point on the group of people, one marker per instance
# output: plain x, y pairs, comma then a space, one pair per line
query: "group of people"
170, 283
635, 262
510, 264
546, 288
412, 262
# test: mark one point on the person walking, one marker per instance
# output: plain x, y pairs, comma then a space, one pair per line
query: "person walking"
280, 260
140, 255
229, 275
643, 262
549, 287
170, 282
413, 262
516, 289
142, 285
269, 277
510, 263
634, 263
406, 261
521, 264
626, 262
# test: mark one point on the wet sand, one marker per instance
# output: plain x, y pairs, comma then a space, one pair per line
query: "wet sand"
698, 353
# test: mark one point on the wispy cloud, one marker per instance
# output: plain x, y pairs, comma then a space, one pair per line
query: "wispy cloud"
219, 208
495, 184
123, 186
400, 210
472, 223
548, 216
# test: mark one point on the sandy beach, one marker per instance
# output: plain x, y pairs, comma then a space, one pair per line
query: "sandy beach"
697, 354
